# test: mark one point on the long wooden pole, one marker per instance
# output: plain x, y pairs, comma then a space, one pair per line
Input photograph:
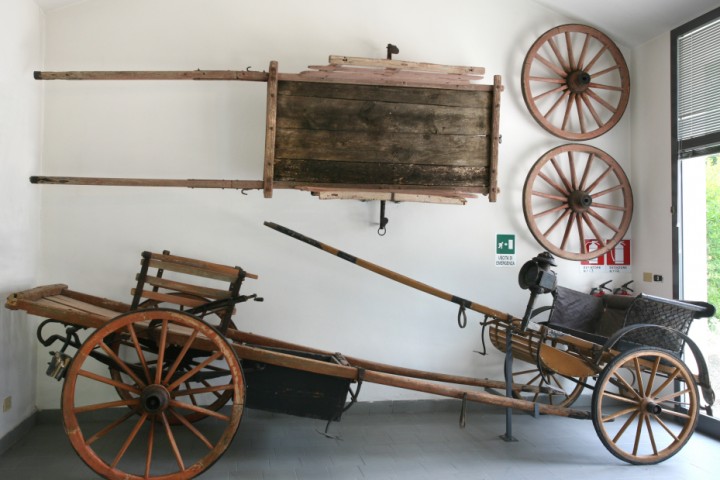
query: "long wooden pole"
243, 75
392, 275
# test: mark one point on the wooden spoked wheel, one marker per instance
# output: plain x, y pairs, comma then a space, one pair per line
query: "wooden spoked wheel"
213, 400
563, 391
638, 413
575, 82
577, 202
153, 439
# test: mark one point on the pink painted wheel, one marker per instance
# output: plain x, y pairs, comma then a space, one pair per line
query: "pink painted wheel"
577, 202
575, 82
153, 438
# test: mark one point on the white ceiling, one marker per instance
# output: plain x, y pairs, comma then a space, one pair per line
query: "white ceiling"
628, 22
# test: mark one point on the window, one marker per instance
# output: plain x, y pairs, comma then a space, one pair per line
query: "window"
695, 85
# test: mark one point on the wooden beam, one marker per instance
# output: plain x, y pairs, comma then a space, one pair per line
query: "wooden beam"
495, 140
244, 75
405, 65
270, 129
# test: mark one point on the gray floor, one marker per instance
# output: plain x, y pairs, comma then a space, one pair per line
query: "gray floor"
376, 442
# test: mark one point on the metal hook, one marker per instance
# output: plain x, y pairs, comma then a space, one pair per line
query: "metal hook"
383, 219
462, 317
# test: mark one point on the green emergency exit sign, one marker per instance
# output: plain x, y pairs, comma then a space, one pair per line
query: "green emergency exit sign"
505, 244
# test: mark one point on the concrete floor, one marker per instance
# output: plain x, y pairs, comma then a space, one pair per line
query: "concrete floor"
391, 441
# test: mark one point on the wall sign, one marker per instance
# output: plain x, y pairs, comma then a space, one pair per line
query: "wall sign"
505, 250
616, 260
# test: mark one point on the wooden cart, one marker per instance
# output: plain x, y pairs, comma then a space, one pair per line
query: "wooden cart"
166, 377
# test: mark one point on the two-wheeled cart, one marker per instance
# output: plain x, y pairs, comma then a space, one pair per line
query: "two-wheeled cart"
166, 377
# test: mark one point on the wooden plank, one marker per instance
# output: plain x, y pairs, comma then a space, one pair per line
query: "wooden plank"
99, 301
270, 126
167, 298
83, 306
495, 139
35, 293
292, 361
46, 309
314, 113
376, 148
194, 271
155, 75
224, 272
389, 94
404, 64
149, 182
205, 292
319, 172
389, 197
377, 79
458, 192
378, 75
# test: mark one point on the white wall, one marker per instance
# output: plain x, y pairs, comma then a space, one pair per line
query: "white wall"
93, 236
651, 165
21, 27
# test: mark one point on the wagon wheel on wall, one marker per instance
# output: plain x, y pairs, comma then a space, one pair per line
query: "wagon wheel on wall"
577, 202
575, 82
638, 413
213, 400
112, 440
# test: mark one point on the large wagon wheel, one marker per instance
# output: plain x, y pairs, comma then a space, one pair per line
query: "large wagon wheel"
155, 429
577, 202
213, 400
575, 82
638, 413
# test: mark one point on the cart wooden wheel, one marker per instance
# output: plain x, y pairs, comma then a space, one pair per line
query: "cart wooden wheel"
143, 442
213, 400
577, 202
567, 390
575, 82
638, 413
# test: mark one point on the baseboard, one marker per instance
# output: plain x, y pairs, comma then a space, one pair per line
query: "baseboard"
14, 435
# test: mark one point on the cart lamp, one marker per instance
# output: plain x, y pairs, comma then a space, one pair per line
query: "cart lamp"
537, 277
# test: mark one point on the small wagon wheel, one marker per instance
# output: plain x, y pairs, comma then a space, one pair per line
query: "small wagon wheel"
564, 391
577, 202
110, 440
575, 82
638, 413
217, 399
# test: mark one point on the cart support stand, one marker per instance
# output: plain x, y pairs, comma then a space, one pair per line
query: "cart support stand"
508, 437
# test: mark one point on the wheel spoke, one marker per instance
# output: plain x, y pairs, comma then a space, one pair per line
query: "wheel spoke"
141, 356
561, 73
109, 381
599, 179
561, 174
181, 356
568, 109
597, 56
195, 408
148, 458
583, 52
193, 400
123, 366
581, 233
598, 237
558, 54
195, 370
600, 100
638, 374
568, 229
586, 172
602, 86
129, 440
608, 190
548, 80
549, 196
110, 427
665, 427
603, 72
609, 207
557, 222
192, 428
653, 372
581, 116
550, 92
619, 413
210, 389
638, 434
629, 387
603, 221
173, 443
667, 382
672, 395
161, 351
573, 173
557, 104
593, 112
621, 398
625, 426
552, 210
102, 406
553, 184
571, 56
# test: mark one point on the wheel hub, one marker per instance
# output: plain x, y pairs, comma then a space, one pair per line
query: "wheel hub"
652, 407
154, 399
578, 81
580, 201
